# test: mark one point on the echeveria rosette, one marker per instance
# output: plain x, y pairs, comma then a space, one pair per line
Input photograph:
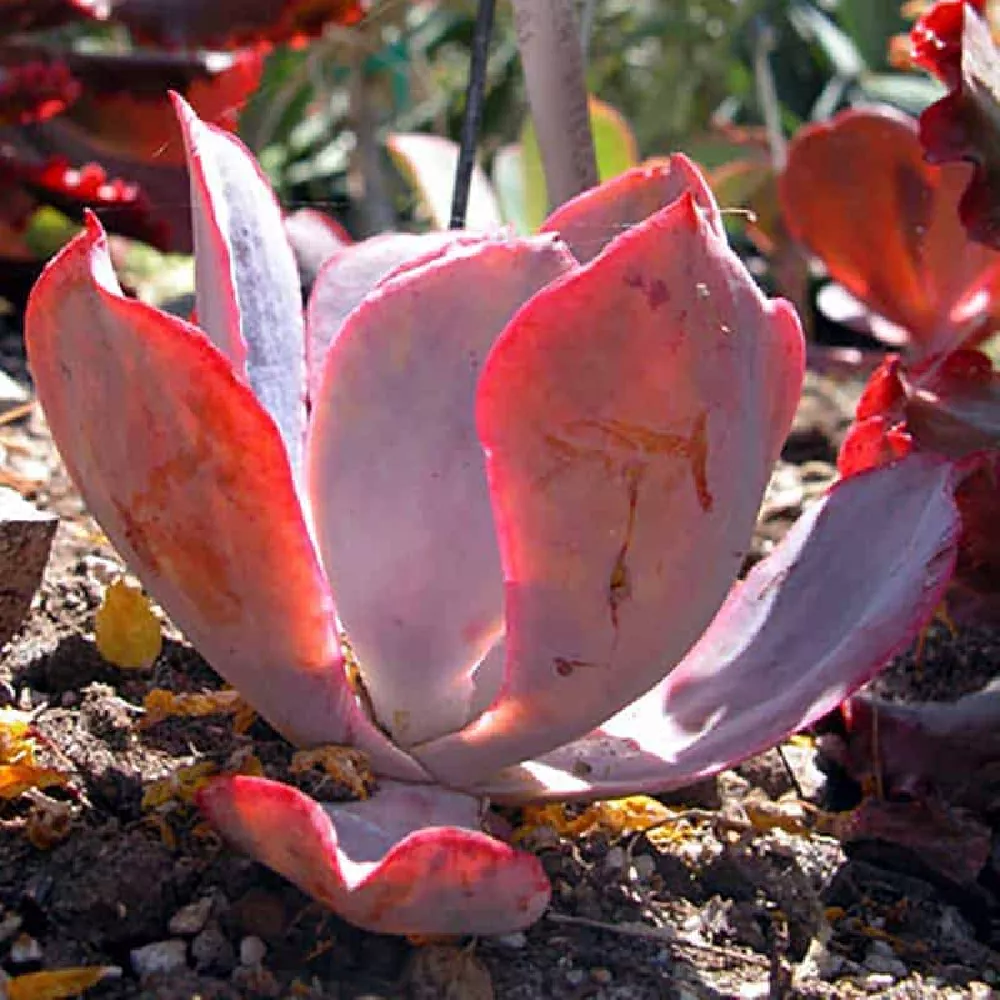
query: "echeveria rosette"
530, 484
858, 194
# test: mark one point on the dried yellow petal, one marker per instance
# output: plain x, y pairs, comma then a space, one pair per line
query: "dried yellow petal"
16, 779
127, 631
615, 816
180, 786
59, 983
345, 765
160, 704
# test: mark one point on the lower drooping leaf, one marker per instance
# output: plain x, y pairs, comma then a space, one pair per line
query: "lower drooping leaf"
156, 430
397, 481
410, 860
630, 413
850, 586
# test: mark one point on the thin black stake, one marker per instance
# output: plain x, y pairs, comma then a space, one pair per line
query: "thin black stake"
473, 116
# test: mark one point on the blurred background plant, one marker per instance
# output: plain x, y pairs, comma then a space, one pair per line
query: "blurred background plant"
727, 81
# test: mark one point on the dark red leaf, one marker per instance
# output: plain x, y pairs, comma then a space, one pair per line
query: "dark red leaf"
857, 192
227, 23
965, 125
31, 91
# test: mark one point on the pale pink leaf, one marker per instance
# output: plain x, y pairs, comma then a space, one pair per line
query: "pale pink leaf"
410, 860
431, 161
850, 586
246, 280
397, 478
350, 274
630, 413
590, 221
188, 476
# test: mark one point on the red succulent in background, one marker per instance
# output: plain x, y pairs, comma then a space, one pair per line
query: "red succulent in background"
858, 194
953, 41
84, 129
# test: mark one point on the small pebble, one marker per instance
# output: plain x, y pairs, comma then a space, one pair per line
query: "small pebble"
9, 925
645, 866
25, 949
252, 950
878, 981
191, 919
601, 976
212, 952
575, 976
614, 860
159, 957
882, 959
518, 939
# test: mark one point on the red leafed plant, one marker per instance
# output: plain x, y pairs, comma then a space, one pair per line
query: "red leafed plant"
83, 129
858, 194
529, 483
953, 41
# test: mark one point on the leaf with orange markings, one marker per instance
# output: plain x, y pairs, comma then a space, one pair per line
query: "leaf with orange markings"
397, 481
219, 541
864, 173
589, 222
780, 653
654, 388
409, 860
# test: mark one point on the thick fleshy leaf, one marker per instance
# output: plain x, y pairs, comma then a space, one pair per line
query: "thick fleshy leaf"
397, 479
850, 586
227, 23
314, 237
350, 274
915, 265
410, 860
156, 430
593, 219
630, 413
953, 40
121, 98
430, 162
246, 280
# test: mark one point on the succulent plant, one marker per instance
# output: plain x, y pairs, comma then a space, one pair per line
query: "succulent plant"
530, 484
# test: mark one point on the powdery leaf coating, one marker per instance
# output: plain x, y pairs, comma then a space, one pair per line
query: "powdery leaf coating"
590, 221
780, 653
397, 479
155, 428
886, 225
246, 280
410, 860
350, 274
654, 388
